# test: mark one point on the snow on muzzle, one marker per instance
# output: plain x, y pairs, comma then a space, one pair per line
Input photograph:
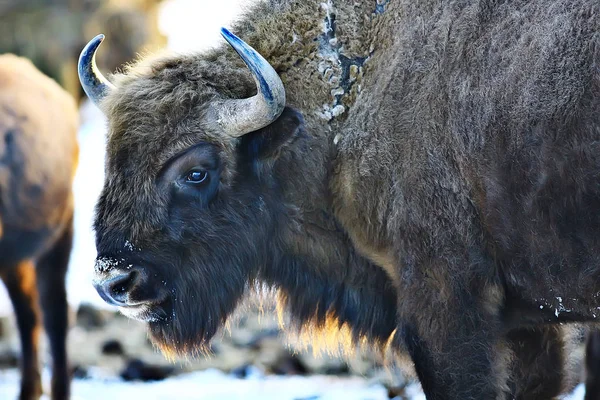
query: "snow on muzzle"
128, 286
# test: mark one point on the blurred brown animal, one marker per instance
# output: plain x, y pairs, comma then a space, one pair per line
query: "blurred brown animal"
38, 157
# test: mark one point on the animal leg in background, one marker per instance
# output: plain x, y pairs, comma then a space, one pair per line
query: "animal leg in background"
20, 283
457, 346
52, 269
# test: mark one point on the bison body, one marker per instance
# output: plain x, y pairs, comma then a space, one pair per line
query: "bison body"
430, 183
38, 156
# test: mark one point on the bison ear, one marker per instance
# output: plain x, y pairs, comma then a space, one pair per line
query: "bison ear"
268, 142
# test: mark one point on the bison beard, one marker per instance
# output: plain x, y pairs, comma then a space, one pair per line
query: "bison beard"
313, 303
432, 178
187, 326
206, 287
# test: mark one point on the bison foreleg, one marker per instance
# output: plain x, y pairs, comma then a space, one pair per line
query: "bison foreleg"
538, 369
20, 283
455, 341
52, 269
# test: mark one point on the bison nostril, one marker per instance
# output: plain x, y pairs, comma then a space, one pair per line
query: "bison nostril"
116, 290
122, 284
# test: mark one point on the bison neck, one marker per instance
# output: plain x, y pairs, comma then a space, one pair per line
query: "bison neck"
323, 281
321, 50
327, 288
326, 52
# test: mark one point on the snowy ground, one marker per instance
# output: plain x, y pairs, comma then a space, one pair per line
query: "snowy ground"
213, 384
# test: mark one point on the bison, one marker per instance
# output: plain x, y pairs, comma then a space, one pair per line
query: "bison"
38, 156
423, 174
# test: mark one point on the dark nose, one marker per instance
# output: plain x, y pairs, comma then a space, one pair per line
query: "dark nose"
115, 289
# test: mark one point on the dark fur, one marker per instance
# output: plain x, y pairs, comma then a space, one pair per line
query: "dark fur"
592, 364
448, 192
38, 156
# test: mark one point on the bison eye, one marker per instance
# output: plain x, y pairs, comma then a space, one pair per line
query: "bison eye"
196, 177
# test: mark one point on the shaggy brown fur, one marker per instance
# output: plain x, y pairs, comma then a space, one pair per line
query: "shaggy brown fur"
434, 175
38, 156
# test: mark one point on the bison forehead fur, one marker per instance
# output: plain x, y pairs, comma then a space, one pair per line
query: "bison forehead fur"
434, 174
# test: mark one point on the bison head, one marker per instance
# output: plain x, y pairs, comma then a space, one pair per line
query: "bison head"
190, 209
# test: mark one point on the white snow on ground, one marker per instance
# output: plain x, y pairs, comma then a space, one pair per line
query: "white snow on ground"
213, 384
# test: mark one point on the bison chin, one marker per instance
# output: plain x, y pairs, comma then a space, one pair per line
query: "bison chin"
198, 308
178, 340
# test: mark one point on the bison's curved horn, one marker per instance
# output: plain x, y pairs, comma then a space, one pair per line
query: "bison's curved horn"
240, 116
95, 85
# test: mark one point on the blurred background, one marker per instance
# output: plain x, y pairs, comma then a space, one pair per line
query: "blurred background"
111, 355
